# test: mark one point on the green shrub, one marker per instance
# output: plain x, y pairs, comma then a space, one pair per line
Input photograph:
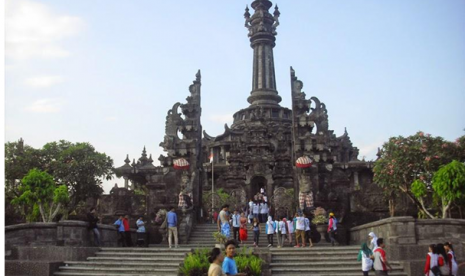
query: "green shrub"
196, 263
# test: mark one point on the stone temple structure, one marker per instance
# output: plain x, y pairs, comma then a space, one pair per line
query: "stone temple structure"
260, 148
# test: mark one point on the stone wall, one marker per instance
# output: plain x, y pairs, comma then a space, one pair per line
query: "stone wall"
63, 233
407, 239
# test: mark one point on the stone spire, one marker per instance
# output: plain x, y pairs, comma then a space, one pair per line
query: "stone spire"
262, 32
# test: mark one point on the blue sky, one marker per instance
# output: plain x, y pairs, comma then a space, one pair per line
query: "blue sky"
106, 72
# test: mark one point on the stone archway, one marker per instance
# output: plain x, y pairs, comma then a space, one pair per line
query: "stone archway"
256, 183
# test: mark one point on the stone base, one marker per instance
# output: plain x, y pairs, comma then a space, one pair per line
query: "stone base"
36, 268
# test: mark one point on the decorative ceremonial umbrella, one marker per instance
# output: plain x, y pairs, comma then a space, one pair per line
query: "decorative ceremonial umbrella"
304, 162
181, 164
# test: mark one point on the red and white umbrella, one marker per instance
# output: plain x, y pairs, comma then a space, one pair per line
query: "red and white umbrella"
181, 164
304, 162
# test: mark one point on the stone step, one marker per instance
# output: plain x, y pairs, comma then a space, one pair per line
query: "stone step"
120, 270
77, 273
124, 263
145, 249
305, 273
140, 254
309, 259
136, 259
323, 270
347, 265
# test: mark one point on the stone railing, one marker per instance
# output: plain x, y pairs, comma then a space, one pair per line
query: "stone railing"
63, 233
407, 239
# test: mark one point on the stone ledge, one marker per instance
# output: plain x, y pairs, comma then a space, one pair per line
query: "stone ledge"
382, 222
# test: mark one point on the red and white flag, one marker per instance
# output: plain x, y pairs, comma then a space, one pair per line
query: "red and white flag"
211, 157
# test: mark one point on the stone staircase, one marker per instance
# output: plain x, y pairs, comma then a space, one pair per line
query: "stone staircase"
115, 261
321, 261
202, 236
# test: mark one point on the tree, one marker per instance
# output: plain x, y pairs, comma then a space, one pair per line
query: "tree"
77, 165
403, 160
39, 188
449, 184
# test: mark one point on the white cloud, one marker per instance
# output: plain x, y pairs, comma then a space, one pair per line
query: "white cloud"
44, 81
33, 30
46, 106
221, 118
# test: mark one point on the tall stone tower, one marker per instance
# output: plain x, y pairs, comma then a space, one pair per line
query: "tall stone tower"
261, 147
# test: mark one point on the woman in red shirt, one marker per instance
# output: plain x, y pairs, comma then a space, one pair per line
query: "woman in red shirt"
431, 261
443, 261
243, 228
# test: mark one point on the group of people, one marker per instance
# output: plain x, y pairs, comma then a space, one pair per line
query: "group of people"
124, 231
373, 256
284, 229
441, 260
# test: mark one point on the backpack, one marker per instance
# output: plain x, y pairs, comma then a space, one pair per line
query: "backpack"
436, 271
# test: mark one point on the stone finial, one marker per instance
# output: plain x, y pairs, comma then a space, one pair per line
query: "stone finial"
127, 161
150, 159
198, 76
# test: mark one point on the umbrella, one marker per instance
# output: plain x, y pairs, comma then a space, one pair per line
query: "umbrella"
304, 162
181, 164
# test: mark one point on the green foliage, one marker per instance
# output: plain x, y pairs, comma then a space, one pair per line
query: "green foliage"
449, 184
404, 160
220, 238
320, 219
78, 166
38, 190
248, 263
196, 263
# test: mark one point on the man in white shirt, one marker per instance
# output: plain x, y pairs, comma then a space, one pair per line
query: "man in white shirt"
236, 224
256, 210
299, 230
263, 212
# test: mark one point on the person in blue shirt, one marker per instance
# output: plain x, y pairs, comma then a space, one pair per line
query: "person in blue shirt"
229, 264
141, 236
172, 220
121, 231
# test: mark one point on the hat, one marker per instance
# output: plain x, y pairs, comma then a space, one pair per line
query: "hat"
331, 214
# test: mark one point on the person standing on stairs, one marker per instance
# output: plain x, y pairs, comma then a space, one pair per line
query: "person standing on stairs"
223, 222
300, 230
92, 219
256, 231
141, 235
381, 264
127, 231
121, 233
308, 236
290, 228
364, 255
270, 229
172, 220
332, 228
281, 232
373, 241
243, 228
236, 224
